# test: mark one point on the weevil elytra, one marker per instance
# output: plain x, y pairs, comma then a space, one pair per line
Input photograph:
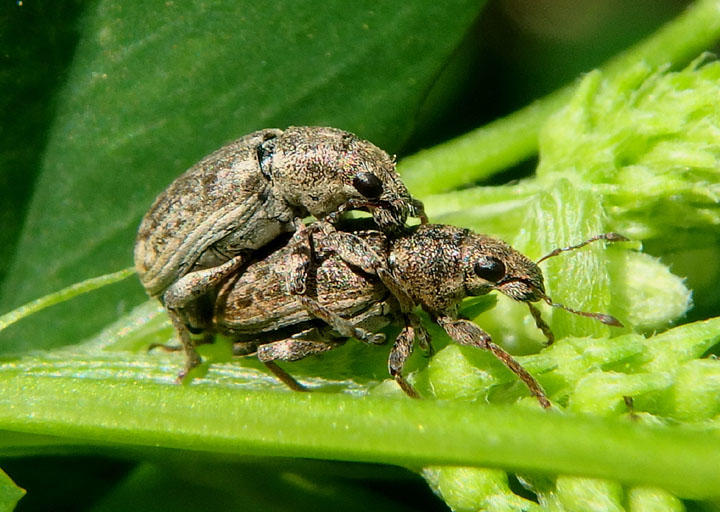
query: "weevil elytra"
208, 223
360, 281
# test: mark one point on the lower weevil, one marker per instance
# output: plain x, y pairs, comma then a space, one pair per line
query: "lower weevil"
360, 281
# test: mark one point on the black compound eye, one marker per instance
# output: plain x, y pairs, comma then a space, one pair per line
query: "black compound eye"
368, 185
264, 153
490, 268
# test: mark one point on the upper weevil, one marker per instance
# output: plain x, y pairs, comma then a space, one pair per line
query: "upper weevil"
209, 221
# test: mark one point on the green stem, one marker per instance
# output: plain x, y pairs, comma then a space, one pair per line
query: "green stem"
400, 431
482, 152
62, 295
676, 43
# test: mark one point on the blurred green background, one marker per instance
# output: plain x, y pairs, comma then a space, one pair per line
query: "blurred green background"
104, 103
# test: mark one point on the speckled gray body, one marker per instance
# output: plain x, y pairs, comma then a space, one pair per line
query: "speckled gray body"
360, 281
435, 266
370, 280
220, 206
256, 306
245, 194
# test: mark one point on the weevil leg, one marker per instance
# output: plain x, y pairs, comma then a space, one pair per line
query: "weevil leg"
418, 210
294, 349
250, 347
244, 348
300, 259
352, 249
467, 333
291, 349
284, 376
194, 285
164, 347
180, 297
422, 336
192, 358
399, 355
540, 323
206, 339
388, 279
343, 326
303, 240
350, 204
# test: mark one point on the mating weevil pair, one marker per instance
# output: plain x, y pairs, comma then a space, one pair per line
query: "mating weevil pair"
323, 285
211, 220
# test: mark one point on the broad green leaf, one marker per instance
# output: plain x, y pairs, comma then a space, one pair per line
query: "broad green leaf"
128, 123
197, 482
153, 89
30, 33
9, 493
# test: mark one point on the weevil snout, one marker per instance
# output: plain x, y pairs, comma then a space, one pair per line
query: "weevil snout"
390, 216
523, 289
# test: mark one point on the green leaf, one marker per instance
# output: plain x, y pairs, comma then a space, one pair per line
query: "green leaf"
114, 398
10, 493
151, 91
267, 484
30, 33
469, 489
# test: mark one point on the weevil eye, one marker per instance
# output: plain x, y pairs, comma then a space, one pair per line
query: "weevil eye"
489, 268
368, 185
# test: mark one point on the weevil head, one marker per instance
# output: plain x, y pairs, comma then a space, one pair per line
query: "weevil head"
320, 169
439, 265
491, 264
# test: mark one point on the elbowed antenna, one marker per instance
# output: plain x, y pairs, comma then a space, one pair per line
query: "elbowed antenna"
545, 328
602, 317
610, 237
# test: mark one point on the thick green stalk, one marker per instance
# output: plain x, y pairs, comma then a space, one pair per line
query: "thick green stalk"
482, 152
374, 429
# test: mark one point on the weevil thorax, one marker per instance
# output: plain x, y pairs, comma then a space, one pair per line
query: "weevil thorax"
491, 264
321, 168
427, 262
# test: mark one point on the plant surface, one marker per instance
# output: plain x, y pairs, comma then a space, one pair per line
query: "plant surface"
633, 147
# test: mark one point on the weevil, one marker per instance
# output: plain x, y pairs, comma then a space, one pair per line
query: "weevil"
258, 313
211, 220
361, 281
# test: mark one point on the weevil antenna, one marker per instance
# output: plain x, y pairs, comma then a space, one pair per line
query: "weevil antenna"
610, 237
602, 317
